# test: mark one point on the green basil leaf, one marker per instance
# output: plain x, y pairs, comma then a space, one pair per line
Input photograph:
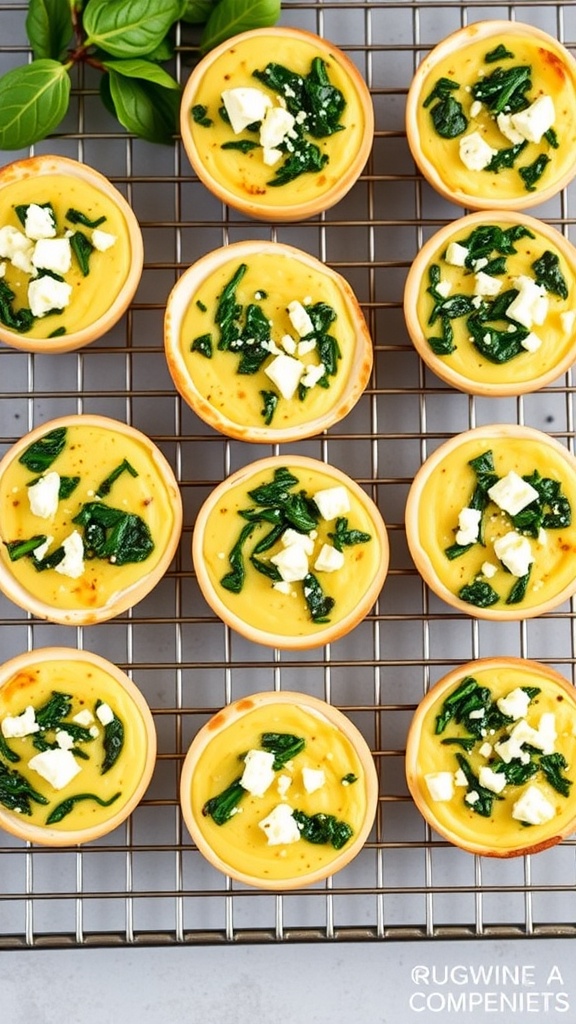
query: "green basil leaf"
49, 27
145, 109
232, 16
137, 67
196, 12
33, 100
129, 28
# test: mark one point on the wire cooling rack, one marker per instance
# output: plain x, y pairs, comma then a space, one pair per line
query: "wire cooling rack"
145, 883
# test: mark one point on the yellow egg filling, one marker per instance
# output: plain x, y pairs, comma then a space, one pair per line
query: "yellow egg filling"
327, 761
106, 758
64, 297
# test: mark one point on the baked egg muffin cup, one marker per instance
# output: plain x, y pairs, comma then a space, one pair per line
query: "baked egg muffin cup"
211, 547
469, 369
452, 817
24, 676
193, 786
554, 66
108, 584
236, 183
30, 179
447, 483
209, 401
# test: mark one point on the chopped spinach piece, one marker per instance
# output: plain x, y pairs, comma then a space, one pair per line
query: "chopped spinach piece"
228, 310
82, 248
243, 145
50, 561
447, 114
77, 217
277, 492
518, 592
451, 307
552, 766
201, 306
20, 548
203, 345
454, 704
221, 807
20, 320
466, 742
58, 333
443, 345
456, 550
323, 102
57, 707
478, 593
499, 53
323, 829
6, 751
349, 779
306, 157
505, 89
319, 604
16, 792
533, 172
234, 580
483, 805
283, 745
270, 399
40, 455
343, 537
515, 772
200, 115
66, 806
110, 533
266, 568
548, 273
68, 485
505, 158
106, 485
551, 138
113, 742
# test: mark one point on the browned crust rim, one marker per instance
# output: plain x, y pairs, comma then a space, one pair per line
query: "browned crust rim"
46, 164
433, 174
280, 212
232, 713
44, 835
125, 599
413, 743
178, 302
326, 634
420, 556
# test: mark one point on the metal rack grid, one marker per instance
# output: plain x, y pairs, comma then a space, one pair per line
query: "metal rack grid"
146, 884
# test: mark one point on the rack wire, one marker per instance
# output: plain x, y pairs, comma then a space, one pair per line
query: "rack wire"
146, 883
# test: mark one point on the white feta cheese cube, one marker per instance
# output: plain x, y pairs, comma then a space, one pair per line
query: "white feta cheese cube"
277, 124
456, 254
45, 294
530, 305
43, 496
84, 717
244, 106
485, 284
489, 570
329, 559
64, 740
58, 767
509, 750
299, 318
292, 563
514, 704
475, 108
313, 779
440, 785
468, 525
494, 781
459, 778
16, 726
531, 342
535, 120
271, 156
282, 587
12, 241
280, 826
303, 540
444, 288
258, 772
332, 502
283, 785
514, 552
312, 374
43, 549
504, 122
485, 750
104, 714
285, 372
511, 493
288, 344
533, 807
544, 737
39, 222
53, 254
304, 347
475, 153
103, 240
72, 564
472, 797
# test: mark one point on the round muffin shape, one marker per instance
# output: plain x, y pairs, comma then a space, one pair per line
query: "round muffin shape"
228, 386
280, 570
238, 162
322, 774
482, 262
462, 90
105, 746
490, 757
508, 555
85, 233
90, 519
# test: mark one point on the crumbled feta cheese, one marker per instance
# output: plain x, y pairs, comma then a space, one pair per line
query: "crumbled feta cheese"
244, 106
271, 156
64, 740
489, 570
514, 552
329, 559
277, 124
312, 374
475, 153
476, 108
283, 785
444, 288
13, 241
304, 347
270, 346
258, 772
485, 284
459, 778
45, 294
530, 305
510, 750
440, 785
504, 122
24, 724
468, 525
535, 120
456, 254
514, 704
84, 717
103, 240
485, 750
288, 344
53, 254
472, 797
533, 807
494, 781
313, 779
280, 826
104, 714
544, 737
531, 342
285, 372
94, 731
478, 713
3, 269
303, 540
43, 549
332, 502
292, 563
39, 222
511, 493
43, 496
299, 318
58, 767
72, 564
282, 587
